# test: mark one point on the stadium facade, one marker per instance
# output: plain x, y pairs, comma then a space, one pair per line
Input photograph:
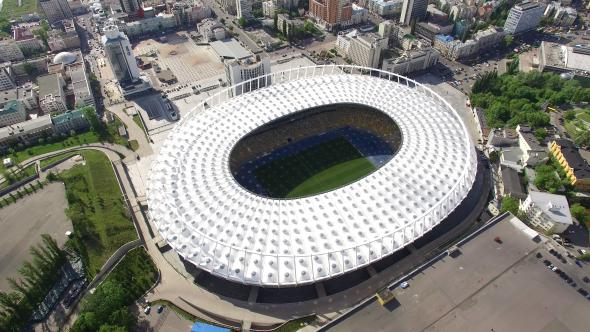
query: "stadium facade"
201, 203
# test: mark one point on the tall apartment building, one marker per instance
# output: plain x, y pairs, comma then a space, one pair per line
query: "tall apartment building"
130, 6
331, 13
118, 52
9, 50
413, 10
13, 112
238, 71
52, 96
6, 77
362, 49
56, 10
244, 9
523, 17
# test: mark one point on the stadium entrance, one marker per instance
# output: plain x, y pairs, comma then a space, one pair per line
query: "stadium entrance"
314, 151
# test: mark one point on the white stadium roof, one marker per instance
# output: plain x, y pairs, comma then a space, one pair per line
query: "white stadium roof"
213, 222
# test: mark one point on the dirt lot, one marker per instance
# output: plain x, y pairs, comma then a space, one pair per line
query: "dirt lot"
23, 222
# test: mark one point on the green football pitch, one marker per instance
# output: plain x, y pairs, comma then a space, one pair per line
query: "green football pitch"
320, 168
333, 177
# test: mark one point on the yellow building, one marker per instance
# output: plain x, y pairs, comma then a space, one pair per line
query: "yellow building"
576, 168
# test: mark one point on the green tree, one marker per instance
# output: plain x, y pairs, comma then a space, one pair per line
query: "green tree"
508, 40
510, 204
582, 138
579, 212
87, 321
494, 156
540, 133
242, 22
569, 115
546, 178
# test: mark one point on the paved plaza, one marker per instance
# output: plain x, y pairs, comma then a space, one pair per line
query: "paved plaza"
23, 222
188, 61
488, 286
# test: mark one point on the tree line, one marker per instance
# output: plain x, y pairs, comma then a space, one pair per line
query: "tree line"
36, 277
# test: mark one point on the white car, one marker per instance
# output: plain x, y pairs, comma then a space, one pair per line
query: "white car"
404, 285
147, 310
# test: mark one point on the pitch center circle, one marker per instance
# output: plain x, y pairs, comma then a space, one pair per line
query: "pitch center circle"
314, 151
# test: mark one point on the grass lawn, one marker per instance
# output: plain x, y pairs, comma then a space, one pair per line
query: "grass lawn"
83, 138
281, 176
18, 174
51, 160
333, 177
11, 10
295, 325
137, 120
99, 216
584, 116
137, 271
571, 128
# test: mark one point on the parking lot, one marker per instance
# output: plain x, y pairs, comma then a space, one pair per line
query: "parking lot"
494, 282
23, 222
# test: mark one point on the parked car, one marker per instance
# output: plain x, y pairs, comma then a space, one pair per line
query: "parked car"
404, 285
147, 310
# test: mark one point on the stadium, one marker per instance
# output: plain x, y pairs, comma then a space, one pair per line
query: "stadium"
318, 175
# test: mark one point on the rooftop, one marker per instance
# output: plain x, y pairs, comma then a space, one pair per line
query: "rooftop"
68, 116
554, 206
574, 158
26, 126
230, 49
512, 183
11, 106
49, 85
527, 134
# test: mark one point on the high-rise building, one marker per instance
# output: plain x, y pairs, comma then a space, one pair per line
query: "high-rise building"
130, 6
56, 10
239, 71
523, 17
118, 52
244, 9
413, 10
362, 49
6, 77
331, 13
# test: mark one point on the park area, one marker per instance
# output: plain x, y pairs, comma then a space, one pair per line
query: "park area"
100, 218
12, 9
